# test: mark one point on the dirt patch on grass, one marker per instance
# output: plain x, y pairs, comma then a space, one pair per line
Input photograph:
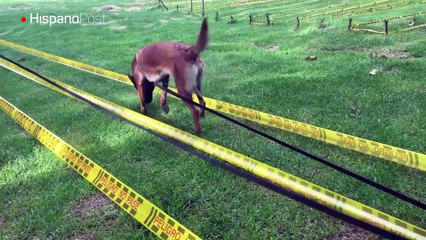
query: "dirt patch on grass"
98, 205
387, 53
133, 9
33, 236
163, 21
98, 23
19, 8
115, 8
81, 237
108, 8
349, 49
118, 27
390, 70
273, 48
356, 112
254, 45
352, 232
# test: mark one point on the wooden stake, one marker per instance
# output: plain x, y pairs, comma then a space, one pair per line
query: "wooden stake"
268, 21
350, 24
202, 6
386, 26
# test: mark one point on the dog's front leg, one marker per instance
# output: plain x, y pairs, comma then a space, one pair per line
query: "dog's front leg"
136, 79
163, 98
139, 87
141, 101
197, 89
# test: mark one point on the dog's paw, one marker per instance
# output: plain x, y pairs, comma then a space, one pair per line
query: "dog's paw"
147, 99
165, 108
202, 113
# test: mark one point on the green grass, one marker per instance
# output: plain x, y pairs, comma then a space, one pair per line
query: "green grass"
39, 195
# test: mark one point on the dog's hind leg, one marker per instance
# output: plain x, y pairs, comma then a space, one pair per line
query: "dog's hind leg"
163, 98
185, 91
194, 111
195, 114
197, 90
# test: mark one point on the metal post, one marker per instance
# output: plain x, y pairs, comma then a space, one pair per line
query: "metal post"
298, 22
217, 16
250, 19
191, 7
177, 7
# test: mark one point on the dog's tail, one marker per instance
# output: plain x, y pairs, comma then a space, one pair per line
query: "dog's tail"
202, 41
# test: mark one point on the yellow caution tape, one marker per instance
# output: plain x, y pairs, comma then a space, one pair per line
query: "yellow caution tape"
301, 10
145, 212
300, 186
383, 33
347, 11
376, 9
366, 23
258, 23
372, 148
314, 17
363, 9
410, 28
349, 8
391, 18
372, 31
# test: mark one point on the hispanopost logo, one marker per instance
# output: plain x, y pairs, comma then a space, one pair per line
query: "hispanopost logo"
81, 18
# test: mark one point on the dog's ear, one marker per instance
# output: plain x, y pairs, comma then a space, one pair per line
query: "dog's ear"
203, 39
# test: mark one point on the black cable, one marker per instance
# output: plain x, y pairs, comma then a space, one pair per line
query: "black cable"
305, 153
230, 168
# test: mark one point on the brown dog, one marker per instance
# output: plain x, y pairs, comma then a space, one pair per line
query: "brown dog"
156, 62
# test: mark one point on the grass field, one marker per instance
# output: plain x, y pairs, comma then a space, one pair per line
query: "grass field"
260, 67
